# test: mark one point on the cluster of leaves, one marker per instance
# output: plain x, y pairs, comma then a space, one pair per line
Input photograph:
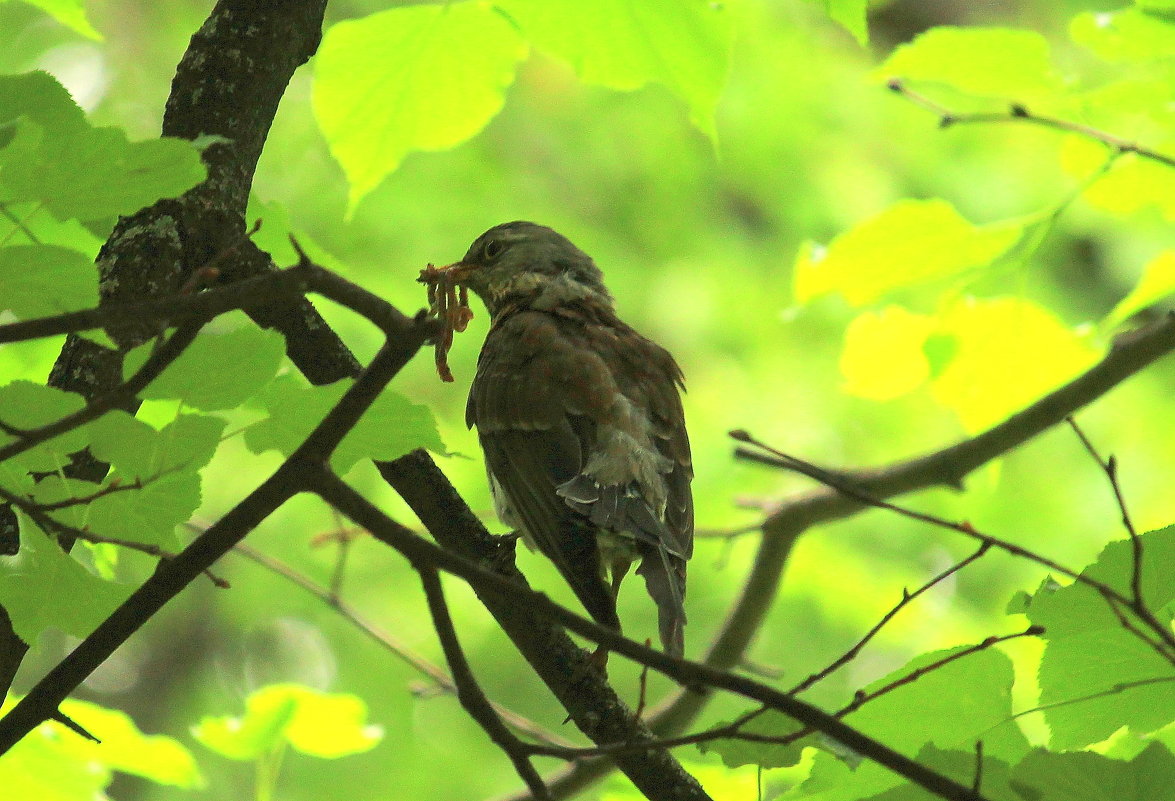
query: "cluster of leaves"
1099, 683
53, 764
921, 274
63, 183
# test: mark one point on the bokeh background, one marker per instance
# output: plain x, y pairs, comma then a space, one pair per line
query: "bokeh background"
697, 240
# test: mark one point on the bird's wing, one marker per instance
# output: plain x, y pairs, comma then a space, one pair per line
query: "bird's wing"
551, 398
536, 437
656, 383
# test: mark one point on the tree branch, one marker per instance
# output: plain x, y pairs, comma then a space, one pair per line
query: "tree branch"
469, 692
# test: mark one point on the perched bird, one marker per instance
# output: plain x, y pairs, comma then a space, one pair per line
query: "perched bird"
581, 422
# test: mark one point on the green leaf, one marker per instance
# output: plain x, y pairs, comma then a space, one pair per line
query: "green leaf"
850, 14
217, 371
76, 170
167, 462
1131, 185
38, 96
910, 243
42, 766
44, 280
316, 723
949, 707
960, 766
625, 44
136, 450
70, 13
1085, 776
1095, 676
94, 173
392, 427
26, 405
1009, 352
736, 753
1129, 34
41, 586
1156, 283
884, 353
423, 77
986, 62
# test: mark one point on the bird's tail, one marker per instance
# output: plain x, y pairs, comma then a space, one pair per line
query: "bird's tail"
664, 575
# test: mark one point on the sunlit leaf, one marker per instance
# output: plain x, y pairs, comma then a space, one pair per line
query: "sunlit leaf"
71, 13
884, 353
988, 62
313, 722
389, 429
1131, 185
910, 243
1009, 352
126, 749
625, 44
1156, 283
1128, 34
850, 14
422, 77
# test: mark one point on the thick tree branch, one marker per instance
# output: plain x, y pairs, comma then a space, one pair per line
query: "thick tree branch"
1130, 354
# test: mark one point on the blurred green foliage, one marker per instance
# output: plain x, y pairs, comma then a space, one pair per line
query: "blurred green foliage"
834, 272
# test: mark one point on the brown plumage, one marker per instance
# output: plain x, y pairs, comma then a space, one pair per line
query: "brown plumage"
581, 422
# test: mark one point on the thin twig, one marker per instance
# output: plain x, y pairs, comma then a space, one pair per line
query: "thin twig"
977, 782
170, 350
51, 525
386, 641
469, 692
853, 489
1017, 112
907, 598
1110, 468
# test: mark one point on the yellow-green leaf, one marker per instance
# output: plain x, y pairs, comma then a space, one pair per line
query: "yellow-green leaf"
316, 723
987, 62
424, 77
1156, 283
70, 13
1128, 34
1010, 352
125, 748
912, 242
625, 44
884, 356
1131, 185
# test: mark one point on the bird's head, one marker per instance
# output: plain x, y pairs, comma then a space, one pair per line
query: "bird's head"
523, 261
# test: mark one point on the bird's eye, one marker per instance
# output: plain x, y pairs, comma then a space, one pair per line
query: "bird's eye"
491, 249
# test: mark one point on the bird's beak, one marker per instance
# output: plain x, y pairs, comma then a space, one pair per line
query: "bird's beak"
457, 272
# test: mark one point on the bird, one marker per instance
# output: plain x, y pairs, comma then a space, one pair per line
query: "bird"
581, 422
